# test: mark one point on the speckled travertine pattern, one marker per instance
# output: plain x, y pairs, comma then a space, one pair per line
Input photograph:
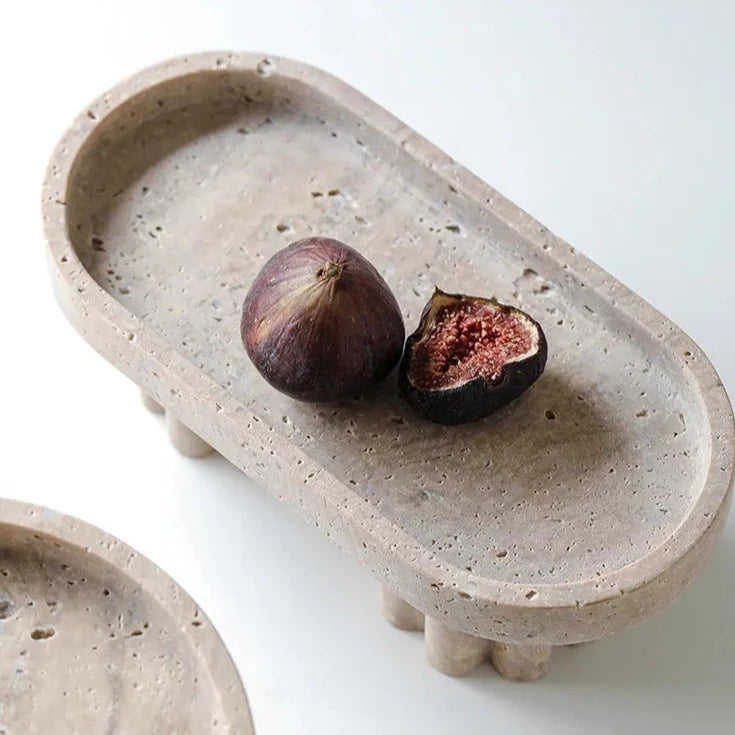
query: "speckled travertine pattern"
94, 639
577, 510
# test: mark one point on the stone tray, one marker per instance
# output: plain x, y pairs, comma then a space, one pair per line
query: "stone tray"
578, 510
94, 638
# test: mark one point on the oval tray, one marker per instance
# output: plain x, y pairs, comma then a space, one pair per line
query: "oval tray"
95, 638
577, 510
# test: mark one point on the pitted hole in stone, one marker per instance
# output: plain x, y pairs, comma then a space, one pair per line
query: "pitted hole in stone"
317, 194
5, 609
502, 554
281, 227
531, 594
265, 67
136, 633
333, 192
453, 228
550, 415
41, 634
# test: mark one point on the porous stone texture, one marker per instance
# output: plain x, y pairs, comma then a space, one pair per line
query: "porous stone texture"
520, 663
185, 440
399, 613
452, 652
94, 638
579, 509
456, 654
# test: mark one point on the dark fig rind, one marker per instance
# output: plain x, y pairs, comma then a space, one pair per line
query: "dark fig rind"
319, 322
477, 398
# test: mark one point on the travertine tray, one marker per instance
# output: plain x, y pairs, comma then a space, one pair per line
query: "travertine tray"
580, 509
94, 638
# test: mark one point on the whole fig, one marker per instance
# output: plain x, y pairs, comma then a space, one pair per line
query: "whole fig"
319, 322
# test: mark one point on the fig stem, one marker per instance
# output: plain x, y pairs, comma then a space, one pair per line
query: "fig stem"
330, 270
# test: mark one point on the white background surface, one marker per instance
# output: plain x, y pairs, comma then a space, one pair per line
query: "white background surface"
612, 123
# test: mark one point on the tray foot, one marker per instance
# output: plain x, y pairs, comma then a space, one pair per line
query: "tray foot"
185, 440
520, 663
150, 404
399, 613
452, 652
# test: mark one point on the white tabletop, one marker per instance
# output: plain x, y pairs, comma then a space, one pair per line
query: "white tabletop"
611, 123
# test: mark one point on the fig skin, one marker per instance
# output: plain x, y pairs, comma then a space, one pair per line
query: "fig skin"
476, 398
319, 322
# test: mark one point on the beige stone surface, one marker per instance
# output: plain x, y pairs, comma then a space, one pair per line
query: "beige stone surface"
399, 613
452, 652
578, 510
150, 404
94, 638
185, 440
520, 663
456, 654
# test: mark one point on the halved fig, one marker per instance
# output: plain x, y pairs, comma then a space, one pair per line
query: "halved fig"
469, 357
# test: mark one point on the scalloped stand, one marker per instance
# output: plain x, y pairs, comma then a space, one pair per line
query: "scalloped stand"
456, 654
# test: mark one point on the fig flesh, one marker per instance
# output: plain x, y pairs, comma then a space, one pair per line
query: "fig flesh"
319, 322
469, 357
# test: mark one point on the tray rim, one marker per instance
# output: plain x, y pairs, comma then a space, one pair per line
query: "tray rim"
91, 540
81, 298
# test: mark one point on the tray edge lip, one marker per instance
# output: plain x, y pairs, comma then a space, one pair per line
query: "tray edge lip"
716, 485
70, 531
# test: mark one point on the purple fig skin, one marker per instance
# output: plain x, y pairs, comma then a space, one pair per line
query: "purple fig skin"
319, 322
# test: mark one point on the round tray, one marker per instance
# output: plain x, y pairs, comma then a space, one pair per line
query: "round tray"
95, 638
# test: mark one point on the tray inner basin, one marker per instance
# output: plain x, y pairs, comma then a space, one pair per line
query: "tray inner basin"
182, 193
